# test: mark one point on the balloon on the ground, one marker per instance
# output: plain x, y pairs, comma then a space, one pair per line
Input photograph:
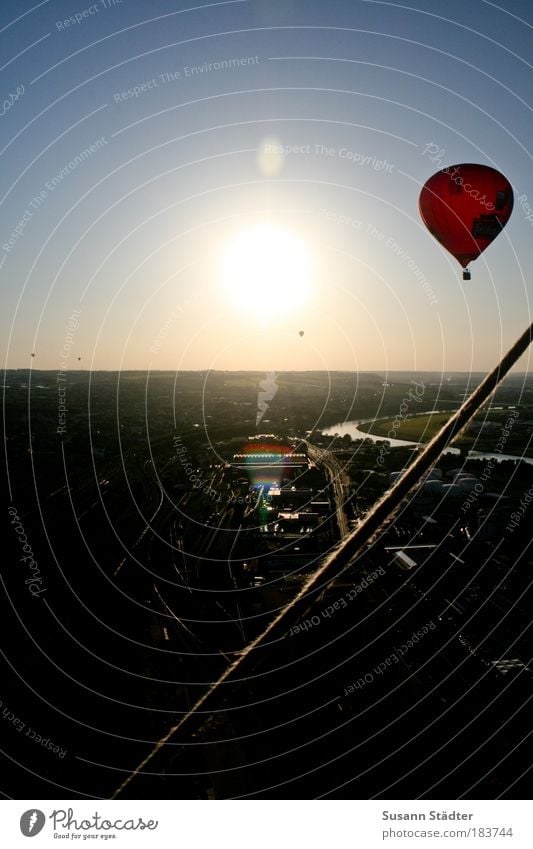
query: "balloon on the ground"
465, 207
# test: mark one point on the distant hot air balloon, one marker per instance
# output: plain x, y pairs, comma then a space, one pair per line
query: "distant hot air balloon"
465, 207
301, 333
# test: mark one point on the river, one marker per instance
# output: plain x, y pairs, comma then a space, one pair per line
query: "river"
352, 428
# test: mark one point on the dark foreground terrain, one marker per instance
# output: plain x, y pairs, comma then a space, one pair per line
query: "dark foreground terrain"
153, 527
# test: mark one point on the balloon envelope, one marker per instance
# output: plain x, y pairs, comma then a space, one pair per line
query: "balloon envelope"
301, 333
465, 207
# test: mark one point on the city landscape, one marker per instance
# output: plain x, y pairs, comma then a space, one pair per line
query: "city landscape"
267, 420
159, 521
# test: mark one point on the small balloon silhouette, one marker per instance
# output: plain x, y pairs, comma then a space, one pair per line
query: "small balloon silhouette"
301, 333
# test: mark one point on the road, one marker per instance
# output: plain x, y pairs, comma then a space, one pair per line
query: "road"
338, 480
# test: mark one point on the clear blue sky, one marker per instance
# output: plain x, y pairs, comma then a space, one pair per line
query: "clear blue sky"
140, 146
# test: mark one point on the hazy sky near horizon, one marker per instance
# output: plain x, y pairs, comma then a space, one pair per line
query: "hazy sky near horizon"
189, 185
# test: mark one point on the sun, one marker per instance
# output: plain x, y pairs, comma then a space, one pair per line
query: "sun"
266, 271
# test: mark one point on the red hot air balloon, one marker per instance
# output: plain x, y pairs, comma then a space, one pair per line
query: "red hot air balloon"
465, 207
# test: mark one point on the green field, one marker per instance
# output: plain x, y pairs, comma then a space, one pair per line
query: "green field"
418, 428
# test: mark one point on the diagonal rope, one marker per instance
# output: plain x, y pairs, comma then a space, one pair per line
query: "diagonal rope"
341, 557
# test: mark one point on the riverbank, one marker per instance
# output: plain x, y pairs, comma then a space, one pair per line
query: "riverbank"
420, 428
428, 425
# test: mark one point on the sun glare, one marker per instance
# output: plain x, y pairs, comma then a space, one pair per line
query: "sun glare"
266, 270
